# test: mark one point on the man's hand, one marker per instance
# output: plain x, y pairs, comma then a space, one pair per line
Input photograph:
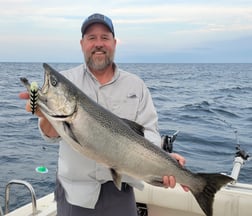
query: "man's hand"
45, 125
170, 181
26, 96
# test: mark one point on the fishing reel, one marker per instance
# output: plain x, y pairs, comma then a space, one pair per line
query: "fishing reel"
241, 153
167, 142
240, 157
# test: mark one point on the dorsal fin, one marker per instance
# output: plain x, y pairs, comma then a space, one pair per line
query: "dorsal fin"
139, 129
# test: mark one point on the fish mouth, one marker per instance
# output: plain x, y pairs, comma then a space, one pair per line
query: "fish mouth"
61, 116
50, 113
45, 86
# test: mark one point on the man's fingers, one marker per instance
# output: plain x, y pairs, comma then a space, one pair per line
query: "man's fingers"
24, 95
185, 188
28, 106
172, 181
179, 158
169, 181
166, 181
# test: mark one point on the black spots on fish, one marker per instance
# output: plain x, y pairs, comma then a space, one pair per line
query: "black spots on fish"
139, 129
33, 96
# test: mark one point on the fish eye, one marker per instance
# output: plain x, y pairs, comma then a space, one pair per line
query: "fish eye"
54, 81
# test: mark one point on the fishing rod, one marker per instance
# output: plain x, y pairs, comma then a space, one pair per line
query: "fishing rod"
241, 156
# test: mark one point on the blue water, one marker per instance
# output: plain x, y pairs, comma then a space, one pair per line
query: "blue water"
210, 104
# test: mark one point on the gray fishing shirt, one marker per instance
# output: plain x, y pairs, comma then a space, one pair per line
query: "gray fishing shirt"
127, 96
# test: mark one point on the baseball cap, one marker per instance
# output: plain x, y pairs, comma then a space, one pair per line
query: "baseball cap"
97, 18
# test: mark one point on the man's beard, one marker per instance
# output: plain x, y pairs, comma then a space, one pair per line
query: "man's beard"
99, 63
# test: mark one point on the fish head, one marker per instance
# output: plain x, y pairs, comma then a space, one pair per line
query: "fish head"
57, 99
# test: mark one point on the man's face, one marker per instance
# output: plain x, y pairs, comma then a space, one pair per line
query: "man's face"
98, 46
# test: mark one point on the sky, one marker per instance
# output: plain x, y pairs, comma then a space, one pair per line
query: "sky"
147, 31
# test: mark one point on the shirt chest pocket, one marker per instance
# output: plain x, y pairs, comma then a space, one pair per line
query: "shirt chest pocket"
125, 107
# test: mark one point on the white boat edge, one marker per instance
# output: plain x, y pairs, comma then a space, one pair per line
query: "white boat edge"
232, 200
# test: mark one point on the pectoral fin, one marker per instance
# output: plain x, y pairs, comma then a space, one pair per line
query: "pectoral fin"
117, 178
69, 132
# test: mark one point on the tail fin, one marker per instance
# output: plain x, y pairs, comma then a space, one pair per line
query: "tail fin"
205, 196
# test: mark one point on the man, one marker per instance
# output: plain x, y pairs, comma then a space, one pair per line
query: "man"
83, 186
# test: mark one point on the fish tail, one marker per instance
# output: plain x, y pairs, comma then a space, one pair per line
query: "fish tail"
205, 194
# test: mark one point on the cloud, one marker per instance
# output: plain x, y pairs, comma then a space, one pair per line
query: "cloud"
142, 26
